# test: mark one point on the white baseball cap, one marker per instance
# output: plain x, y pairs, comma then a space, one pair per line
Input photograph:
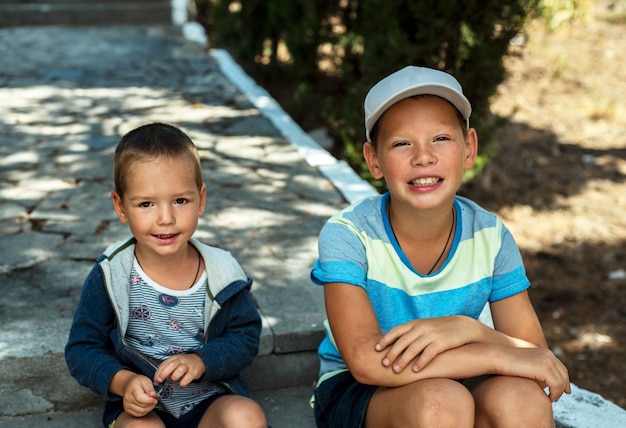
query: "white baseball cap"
410, 81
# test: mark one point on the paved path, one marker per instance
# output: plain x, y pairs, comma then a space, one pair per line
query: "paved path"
66, 97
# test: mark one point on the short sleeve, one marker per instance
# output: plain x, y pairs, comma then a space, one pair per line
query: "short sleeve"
342, 255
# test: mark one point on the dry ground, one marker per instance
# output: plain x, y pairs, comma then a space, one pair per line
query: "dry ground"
559, 184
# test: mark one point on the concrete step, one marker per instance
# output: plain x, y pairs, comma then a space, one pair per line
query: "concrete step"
284, 408
37, 391
85, 12
40, 384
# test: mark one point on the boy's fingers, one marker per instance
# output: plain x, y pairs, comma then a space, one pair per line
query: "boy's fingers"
394, 334
142, 399
180, 372
141, 388
424, 358
164, 371
186, 380
420, 349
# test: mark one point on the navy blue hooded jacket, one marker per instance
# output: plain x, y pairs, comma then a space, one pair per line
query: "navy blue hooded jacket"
96, 349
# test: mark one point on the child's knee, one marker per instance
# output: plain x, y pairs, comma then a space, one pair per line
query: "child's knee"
449, 404
514, 402
151, 420
248, 413
442, 403
236, 411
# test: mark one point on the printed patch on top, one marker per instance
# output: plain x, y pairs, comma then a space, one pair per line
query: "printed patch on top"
142, 313
167, 300
174, 351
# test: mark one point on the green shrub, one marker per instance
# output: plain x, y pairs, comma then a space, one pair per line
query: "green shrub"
319, 58
556, 13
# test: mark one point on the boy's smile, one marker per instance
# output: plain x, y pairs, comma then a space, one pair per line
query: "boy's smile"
425, 184
166, 239
428, 181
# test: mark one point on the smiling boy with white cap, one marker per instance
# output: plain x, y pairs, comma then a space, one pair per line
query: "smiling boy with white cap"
407, 273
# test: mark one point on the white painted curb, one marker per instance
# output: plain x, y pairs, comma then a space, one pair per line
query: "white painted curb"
338, 172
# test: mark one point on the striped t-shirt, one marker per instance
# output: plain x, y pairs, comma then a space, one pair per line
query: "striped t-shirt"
357, 246
165, 322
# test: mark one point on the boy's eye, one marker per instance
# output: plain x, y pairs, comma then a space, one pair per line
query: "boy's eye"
181, 201
400, 143
441, 138
145, 204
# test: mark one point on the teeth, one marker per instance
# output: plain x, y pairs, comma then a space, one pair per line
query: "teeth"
425, 181
163, 236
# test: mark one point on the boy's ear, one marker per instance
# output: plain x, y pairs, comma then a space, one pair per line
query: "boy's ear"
371, 159
202, 200
471, 148
119, 207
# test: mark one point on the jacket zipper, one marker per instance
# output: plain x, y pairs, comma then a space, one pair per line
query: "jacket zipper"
106, 275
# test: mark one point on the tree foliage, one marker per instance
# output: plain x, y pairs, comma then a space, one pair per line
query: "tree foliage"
319, 58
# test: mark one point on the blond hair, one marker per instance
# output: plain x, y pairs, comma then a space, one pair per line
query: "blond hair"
149, 142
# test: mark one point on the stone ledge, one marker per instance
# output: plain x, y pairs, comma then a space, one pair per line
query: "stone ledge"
586, 409
40, 384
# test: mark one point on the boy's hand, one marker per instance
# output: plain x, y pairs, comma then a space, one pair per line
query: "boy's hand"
181, 368
422, 340
139, 396
541, 365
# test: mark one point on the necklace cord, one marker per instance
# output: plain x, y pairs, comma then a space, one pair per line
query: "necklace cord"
445, 246
447, 242
197, 269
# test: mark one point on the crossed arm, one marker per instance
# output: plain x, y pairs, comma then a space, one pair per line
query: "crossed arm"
453, 347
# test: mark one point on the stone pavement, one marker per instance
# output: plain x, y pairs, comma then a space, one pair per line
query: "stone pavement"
66, 97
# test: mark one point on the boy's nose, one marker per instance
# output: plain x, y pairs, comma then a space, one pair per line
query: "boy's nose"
423, 154
166, 215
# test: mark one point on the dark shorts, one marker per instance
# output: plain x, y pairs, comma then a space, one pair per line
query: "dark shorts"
341, 402
188, 420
